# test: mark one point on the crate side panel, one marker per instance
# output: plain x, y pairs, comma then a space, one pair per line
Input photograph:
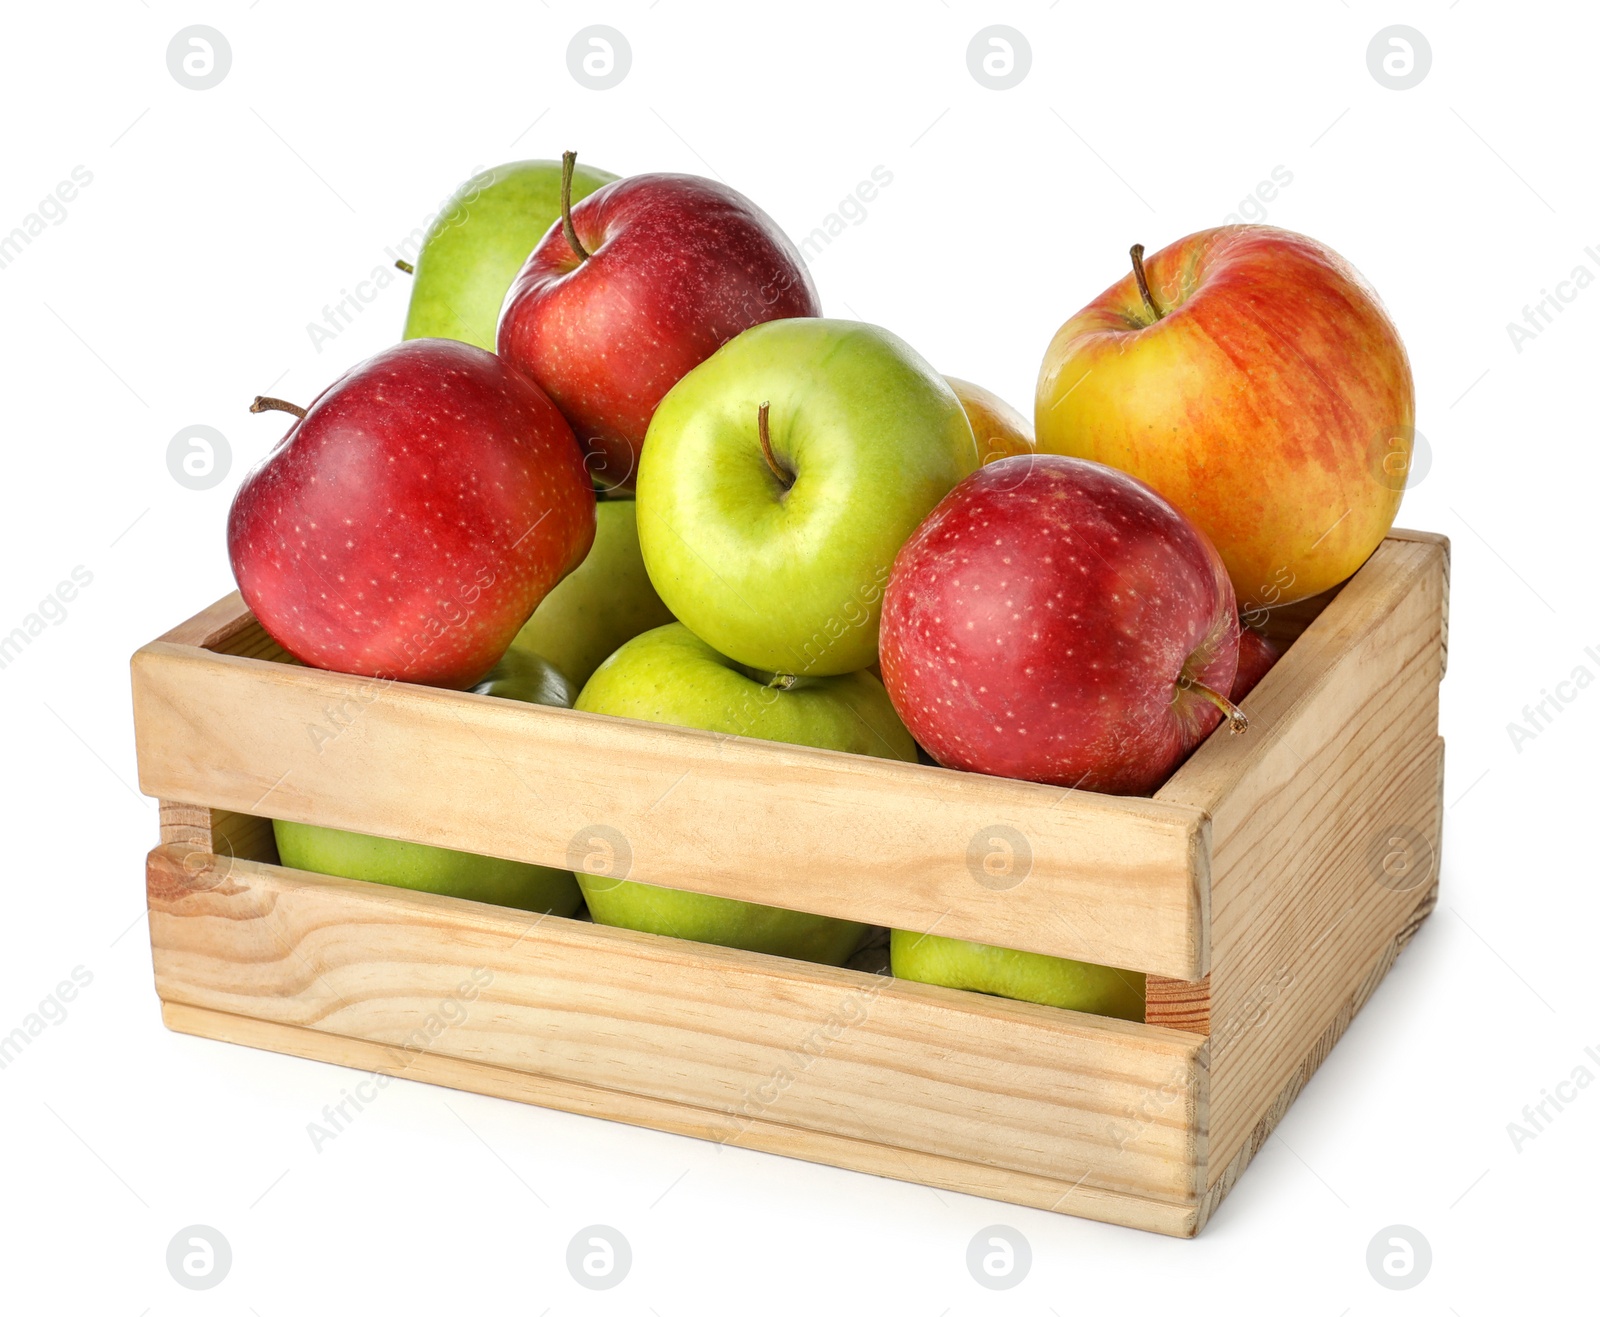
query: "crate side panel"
1180, 1220
1118, 881
1222, 1181
1305, 891
741, 1037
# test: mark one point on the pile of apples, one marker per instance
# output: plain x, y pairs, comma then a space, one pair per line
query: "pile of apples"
622, 463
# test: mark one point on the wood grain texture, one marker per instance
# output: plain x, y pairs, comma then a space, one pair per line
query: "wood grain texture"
214, 626
741, 1039
222, 832
1442, 542
1344, 757
1178, 1004
1114, 880
676, 1118
1223, 1181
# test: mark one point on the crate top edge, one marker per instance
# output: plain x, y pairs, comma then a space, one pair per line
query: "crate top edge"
180, 875
466, 706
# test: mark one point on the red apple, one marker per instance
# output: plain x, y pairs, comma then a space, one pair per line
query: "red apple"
1251, 377
641, 282
412, 519
1257, 654
1058, 621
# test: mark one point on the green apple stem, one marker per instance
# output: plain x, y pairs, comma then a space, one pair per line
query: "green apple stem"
405, 267
784, 475
1237, 722
568, 160
1137, 253
277, 405
782, 681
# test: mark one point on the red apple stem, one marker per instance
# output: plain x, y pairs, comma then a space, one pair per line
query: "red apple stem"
1237, 722
784, 475
405, 267
1136, 252
568, 160
277, 405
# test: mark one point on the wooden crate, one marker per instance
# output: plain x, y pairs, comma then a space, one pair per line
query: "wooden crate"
1265, 889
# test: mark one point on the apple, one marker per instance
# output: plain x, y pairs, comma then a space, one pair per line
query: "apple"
607, 600
478, 242
1251, 377
412, 517
780, 479
1058, 621
1257, 654
643, 280
529, 677
1000, 429
1021, 975
669, 675
434, 868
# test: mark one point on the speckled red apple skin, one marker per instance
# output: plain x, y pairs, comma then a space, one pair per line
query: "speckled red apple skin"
677, 266
1037, 623
410, 523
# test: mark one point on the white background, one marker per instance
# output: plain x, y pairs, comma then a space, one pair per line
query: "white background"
220, 222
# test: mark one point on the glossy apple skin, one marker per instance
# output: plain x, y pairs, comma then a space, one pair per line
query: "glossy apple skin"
670, 675
1000, 429
1021, 975
520, 675
410, 522
677, 266
1257, 654
478, 242
1037, 624
791, 580
1272, 403
426, 868
607, 601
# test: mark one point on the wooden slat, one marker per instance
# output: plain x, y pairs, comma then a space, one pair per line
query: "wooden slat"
214, 625
1118, 881
1343, 751
252, 642
676, 1118
1008, 1086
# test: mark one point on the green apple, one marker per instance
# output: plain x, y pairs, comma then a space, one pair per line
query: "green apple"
670, 675
1023, 975
518, 676
606, 601
780, 477
478, 242
526, 675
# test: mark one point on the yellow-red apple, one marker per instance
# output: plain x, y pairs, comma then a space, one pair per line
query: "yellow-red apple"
1000, 429
1252, 378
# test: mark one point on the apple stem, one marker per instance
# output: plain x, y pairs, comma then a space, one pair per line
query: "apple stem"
1137, 253
568, 160
1237, 722
277, 405
782, 681
405, 267
785, 477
